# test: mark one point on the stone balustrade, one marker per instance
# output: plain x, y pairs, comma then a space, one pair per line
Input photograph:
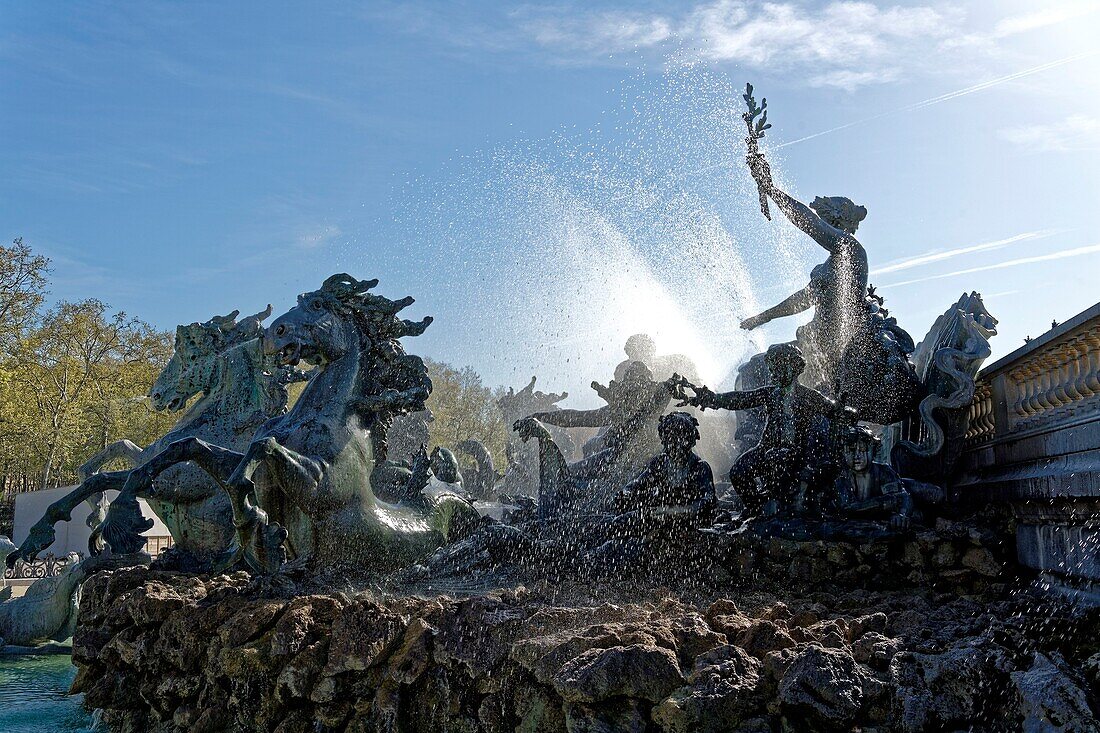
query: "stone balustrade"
980, 422
1034, 441
1050, 384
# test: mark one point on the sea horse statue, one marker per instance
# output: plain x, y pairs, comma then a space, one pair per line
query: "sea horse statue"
302, 489
947, 360
222, 360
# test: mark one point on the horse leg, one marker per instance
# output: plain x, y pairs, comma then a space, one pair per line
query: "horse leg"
42, 533
260, 540
122, 528
217, 461
119, 449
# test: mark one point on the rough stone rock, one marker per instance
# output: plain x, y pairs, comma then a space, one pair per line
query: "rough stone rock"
302, 617
1092, 670
537, 710
831, 633
875, 650
637, 671
885, 643
822, 689
545, 655
360, 635
1050, 701
863, 624
724, 689
764, 636
946, 689
982, 561
414, 656
620, 717
731, 624
694, 637
776, 663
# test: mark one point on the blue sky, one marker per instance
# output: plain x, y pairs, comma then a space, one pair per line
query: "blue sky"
547, 179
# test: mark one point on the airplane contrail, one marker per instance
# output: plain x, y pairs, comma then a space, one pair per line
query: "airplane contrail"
1060, 255
925, 259
950, 95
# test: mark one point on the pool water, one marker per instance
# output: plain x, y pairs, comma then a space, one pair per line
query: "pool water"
33, 699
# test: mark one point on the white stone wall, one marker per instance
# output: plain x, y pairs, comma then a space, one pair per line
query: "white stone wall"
72, 536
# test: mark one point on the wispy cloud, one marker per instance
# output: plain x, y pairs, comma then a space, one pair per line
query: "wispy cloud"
1073, 134
841, 44
599, 32
930, 257
844, 44
1024, 22
981, 86
1059, 255
318, 237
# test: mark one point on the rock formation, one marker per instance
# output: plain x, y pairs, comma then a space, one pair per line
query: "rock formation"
165, 652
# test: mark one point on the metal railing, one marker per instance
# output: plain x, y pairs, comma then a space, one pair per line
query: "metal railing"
47, 566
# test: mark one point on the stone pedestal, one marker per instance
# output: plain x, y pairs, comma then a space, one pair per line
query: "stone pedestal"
1034, 442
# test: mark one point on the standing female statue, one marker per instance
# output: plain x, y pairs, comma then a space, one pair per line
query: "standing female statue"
837, 287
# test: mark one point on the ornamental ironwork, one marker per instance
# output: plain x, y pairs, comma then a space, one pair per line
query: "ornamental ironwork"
47, 566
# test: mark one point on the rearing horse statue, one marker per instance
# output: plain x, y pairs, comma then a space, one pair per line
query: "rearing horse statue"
302, 489
222, 360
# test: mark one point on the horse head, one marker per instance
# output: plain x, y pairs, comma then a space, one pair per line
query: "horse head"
191, 369
338, 318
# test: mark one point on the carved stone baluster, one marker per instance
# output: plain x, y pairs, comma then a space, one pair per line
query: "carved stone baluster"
1034, 388
1081, 384
1073, 372
1021, 379
1092, 375
976, 414
1058, 374
989, 422
972, 414
1046, 383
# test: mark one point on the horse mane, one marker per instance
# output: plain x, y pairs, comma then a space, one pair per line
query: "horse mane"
225, 332
384, 363
376, 313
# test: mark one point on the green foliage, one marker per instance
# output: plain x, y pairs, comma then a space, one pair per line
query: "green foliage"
73, 378
464, 408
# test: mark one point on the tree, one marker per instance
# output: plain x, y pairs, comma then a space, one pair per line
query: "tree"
22, 288
464, 408
71, 375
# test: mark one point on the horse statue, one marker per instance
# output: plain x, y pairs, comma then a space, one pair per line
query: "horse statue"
45, 612
221, 360
303, 491
947, 361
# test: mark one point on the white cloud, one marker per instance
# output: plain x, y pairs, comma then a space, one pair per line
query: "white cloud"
605, 32
1073, 134
1024, 22
842, 44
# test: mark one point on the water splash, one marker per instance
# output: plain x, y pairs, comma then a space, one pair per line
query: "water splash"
554, 251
